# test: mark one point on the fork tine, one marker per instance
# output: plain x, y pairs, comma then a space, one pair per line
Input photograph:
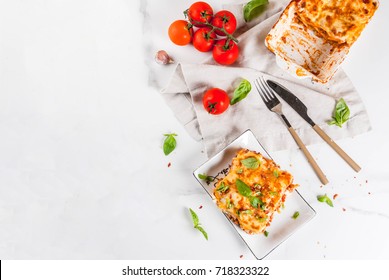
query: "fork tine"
268, 98
263, 90
256, 83
266, 88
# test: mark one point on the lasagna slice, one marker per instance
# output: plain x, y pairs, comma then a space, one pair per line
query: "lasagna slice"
341, 21
252, 191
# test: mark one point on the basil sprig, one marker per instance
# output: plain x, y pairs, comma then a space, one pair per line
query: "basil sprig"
169, 144
246, 191
341, 113
253, 9
241, 92
206, 177
223, 187
251, 162
326, 199
196, 223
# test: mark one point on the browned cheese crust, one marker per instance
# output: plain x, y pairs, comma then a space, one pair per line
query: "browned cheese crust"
341, 21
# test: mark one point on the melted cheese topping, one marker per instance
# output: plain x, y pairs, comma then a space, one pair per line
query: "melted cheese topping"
337, 20
265, 187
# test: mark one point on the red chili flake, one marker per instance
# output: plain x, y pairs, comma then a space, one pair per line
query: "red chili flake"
201, 206
369, 192
366, 181
355, 177
321, 186
344, 209
335, 196
241, 256
169, 164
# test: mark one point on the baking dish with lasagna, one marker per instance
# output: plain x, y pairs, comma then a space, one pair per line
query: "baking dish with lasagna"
313, 37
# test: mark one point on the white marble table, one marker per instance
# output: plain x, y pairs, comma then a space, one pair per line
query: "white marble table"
82, 172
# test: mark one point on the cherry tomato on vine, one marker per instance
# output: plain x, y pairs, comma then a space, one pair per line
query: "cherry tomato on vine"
216, 101
224, 19
180, 32
204, 39
200, 13
225, 52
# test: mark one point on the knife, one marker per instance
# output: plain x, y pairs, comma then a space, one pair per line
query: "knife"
302, 110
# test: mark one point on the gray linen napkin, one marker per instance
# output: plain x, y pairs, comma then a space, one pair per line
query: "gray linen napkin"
189, 82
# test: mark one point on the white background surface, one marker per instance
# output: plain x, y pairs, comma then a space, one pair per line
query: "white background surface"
82, 172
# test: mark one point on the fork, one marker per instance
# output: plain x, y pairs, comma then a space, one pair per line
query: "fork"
274, 105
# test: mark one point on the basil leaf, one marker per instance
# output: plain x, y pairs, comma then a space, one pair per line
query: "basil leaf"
341, 113
202, 231
253, 9
261, 219
222, 187
196, 223
266, 233
251, 162
169, 144
254, 201
295, 215
248, 212
206, 177
195, 218
275, 173
243, 189
326, 199
229, 204
241, 92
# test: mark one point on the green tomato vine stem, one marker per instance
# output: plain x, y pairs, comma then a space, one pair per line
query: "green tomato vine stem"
222, 29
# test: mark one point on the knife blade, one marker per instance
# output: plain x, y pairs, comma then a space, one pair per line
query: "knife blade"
302, 110
292, 100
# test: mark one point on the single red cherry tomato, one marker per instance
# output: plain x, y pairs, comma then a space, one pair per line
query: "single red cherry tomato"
224, 19
216, 101
180, 32
200, 13
225, 52
204, 39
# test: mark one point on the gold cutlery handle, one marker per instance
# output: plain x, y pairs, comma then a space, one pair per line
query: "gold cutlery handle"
337, 149
309, 157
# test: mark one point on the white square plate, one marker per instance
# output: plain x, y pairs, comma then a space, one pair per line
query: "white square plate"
283, 225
